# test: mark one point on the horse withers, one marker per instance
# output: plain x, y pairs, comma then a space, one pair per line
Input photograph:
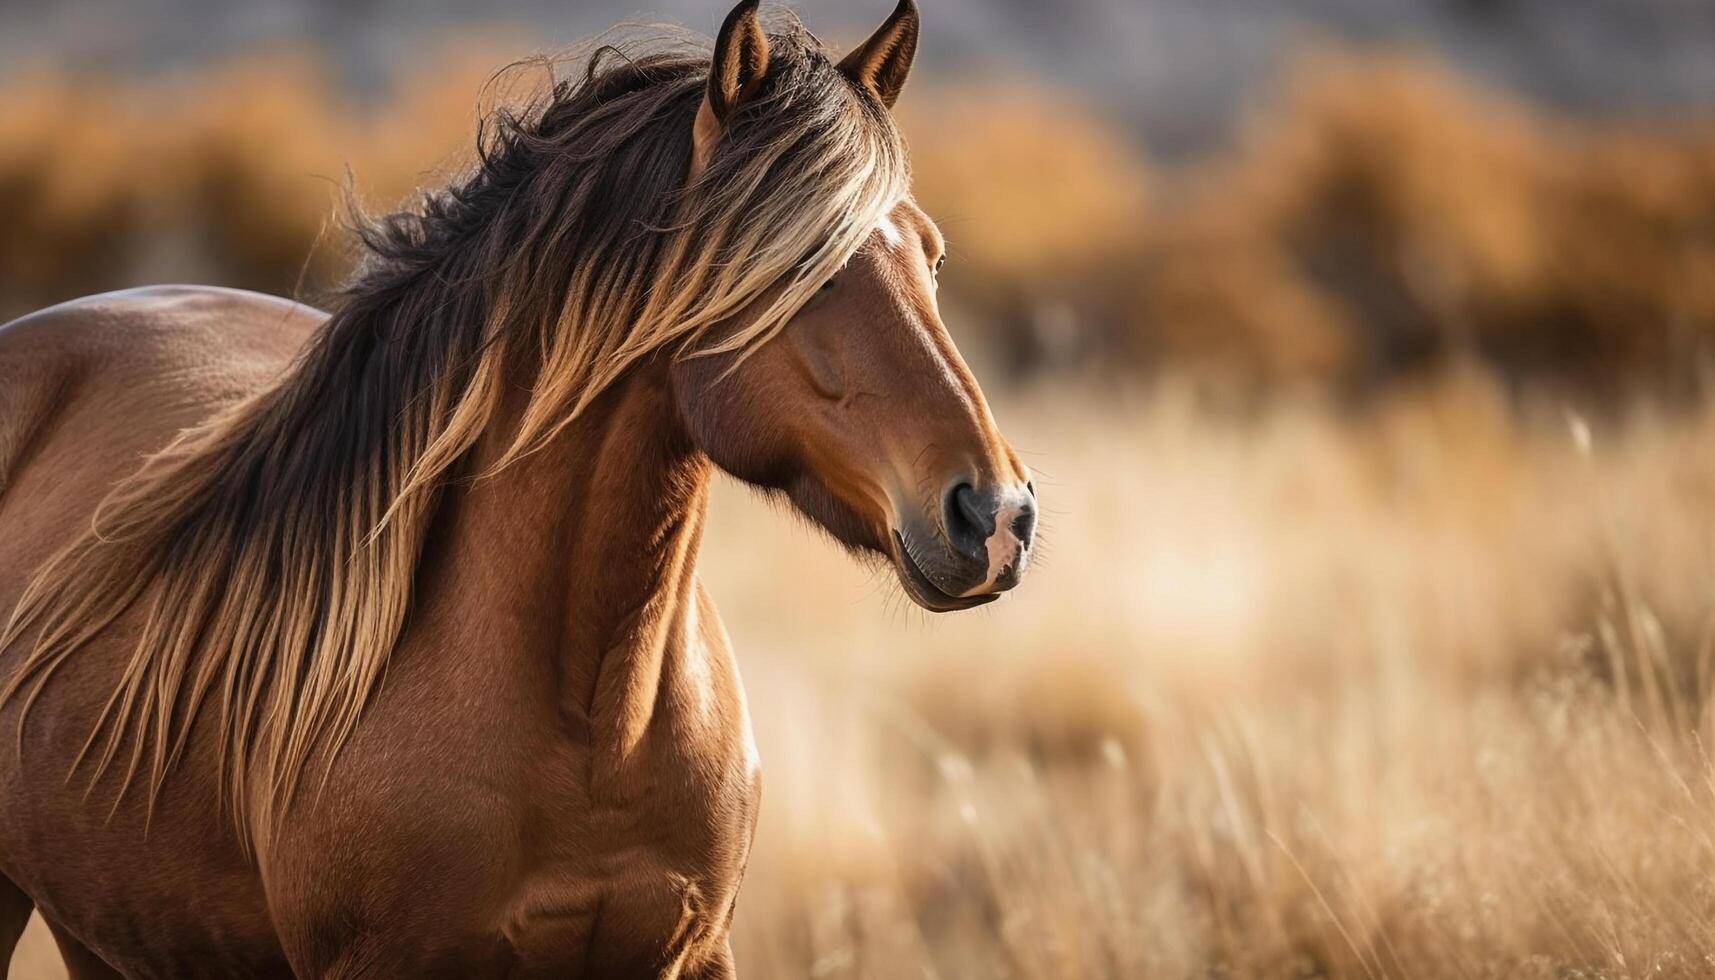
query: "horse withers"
370, 643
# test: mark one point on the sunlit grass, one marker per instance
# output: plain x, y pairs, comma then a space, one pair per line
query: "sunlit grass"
1420, 694
1306, 698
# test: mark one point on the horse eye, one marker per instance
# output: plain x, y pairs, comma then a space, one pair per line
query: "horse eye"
938, 264
830, 283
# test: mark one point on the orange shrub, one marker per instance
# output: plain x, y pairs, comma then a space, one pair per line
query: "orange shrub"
1044, 207
69, 214
231, 176
1381, 219
1385, 218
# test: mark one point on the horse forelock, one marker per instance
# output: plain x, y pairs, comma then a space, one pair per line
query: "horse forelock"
273, 550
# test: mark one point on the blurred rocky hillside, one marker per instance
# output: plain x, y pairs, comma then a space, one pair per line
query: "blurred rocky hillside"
1180, 70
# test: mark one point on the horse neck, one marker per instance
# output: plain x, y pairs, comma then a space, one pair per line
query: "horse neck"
581, 556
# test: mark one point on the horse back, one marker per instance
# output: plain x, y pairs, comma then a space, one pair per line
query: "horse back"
89, 386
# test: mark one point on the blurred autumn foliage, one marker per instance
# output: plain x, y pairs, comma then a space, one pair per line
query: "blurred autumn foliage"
232, 176
1378, 219
1381, 218
1387, 218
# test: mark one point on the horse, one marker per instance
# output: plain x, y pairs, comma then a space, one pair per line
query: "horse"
369, 642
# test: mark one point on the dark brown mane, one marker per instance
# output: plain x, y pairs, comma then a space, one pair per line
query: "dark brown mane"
275, 547
485, 478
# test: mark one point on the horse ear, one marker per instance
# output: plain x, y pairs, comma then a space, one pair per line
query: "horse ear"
881, 63
740, 61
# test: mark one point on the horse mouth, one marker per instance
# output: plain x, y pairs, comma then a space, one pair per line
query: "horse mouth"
923, 590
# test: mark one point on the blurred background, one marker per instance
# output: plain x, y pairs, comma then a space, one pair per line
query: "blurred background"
1364, 351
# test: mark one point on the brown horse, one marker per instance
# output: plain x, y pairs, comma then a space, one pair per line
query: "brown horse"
390, 659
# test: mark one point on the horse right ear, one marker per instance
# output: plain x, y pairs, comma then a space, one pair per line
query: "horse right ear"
735, 73
881, 63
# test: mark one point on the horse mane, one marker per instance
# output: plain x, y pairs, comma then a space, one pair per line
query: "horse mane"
273, 549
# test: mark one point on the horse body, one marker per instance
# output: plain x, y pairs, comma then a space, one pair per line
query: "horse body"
370, 643
87, 388
588, 748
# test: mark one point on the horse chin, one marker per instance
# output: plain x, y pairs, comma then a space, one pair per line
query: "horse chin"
825, 509
923, 589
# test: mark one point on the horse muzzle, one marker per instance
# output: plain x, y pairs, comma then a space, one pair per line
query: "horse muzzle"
977, 547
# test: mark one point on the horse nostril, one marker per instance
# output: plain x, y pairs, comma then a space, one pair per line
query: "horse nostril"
1024, 524
969, 520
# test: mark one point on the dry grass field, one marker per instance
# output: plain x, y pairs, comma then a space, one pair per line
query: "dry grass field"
1417, 694
1420, 696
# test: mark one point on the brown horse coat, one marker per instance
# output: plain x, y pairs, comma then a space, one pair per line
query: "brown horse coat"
614, 815
548, 769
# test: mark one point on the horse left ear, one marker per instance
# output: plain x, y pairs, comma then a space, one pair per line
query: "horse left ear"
881, 63
740, 61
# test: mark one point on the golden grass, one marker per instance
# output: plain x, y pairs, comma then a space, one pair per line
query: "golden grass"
1415, 695
1305, 697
